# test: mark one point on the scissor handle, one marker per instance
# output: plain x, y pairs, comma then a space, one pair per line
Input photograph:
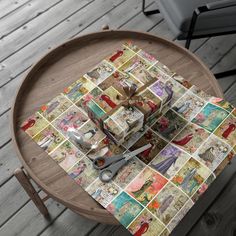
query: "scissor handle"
108, 173
103, 162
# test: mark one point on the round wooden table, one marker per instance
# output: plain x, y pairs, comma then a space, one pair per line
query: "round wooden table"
58, 69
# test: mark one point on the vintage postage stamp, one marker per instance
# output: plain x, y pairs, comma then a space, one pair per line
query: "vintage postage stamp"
169, 161
145, 222
190, 138
74, 117
169, 125
167, 204
124, 208
34, 124
119, 57
79, 88
66, 155
48, 139
100, 72
191, 176
210, 117
157, 145
146, 185
212, 152
102, 192
55, 107
83, 172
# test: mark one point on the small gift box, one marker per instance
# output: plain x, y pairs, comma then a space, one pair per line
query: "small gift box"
122, 123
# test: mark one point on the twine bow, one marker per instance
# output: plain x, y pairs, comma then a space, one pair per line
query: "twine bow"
131, 97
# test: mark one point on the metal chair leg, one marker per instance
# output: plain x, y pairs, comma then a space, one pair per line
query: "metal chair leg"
148, 13
191, 29
187, 43
225, 73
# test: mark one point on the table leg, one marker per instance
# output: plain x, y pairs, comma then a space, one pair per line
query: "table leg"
30, 190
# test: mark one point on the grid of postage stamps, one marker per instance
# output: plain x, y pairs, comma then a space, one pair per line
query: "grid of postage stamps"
192, 134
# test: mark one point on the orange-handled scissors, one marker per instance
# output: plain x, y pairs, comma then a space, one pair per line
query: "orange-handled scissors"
109, 166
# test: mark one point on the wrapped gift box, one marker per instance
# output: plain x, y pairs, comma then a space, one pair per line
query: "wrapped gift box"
122, 123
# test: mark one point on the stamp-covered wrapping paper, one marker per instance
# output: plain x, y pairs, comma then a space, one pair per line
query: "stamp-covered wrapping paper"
192, 137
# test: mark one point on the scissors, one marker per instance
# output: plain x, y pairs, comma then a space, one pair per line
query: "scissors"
109, 166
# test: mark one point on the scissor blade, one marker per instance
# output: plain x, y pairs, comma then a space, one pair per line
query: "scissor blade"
137, 151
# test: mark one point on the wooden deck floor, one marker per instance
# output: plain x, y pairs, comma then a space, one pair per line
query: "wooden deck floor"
28, 29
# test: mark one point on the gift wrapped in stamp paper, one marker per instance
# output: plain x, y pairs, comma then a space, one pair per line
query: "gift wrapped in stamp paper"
129, 101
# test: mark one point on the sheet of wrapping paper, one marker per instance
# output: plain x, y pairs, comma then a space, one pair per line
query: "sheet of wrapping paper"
193, 138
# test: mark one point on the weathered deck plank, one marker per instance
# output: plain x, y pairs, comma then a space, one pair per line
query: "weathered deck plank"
23, 59
116, 17
230, 94
5, 129
13, 197
227, 62
215, 48
109, 230
226, 84
70, 223
36, 27
28, 221
8, 192
7, 7
8, 162
142, 23
30, 11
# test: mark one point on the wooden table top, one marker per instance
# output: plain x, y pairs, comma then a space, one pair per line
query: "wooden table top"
60, 68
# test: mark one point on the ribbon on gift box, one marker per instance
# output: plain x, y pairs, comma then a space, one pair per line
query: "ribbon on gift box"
131, 96
132, 101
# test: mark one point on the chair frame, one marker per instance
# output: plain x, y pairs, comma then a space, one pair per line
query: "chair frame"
196, 13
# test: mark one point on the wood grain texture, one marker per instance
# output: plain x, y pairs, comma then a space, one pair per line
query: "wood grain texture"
110, 230
226, 84
28, 220
30, 10
29, 54
215, 48
64, 33
13, 197
60, 68
21, 61
7, 7
142, 23
70, 223
117, 17
230, 94
5, 129
8, 162
227, 62
36, 27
